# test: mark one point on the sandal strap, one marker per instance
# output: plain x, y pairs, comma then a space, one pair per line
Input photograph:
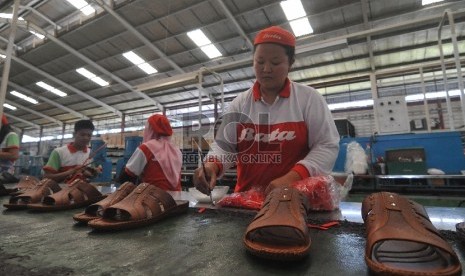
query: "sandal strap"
282, 207
78, 191
40, 190
144, 196
125, 189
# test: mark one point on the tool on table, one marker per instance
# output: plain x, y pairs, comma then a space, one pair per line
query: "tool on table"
199, 152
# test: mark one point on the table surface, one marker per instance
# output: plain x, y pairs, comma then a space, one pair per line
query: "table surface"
208, 243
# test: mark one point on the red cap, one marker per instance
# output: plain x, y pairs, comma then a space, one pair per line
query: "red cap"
4, 120
160, 125
275, 34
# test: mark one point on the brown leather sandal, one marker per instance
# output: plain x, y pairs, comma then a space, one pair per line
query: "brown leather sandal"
143, 206
79, 193
401, 240
95, 210
33, 195
25, 183
279, 231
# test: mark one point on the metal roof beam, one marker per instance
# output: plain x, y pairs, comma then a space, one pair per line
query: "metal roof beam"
31, 93
147, 43
230, 16
58, 122
23, 121
94, 64
64, 84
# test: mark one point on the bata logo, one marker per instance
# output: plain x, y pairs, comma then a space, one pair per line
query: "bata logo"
248, 134
275, 36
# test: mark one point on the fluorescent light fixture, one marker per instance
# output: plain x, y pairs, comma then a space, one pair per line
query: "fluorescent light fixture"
295, 13
51, 89
140, 62
211, 51
24, 97
9, 16
133, 57
301, 27
9, 106
147, 68
293, 9
354, 104
2, 56
83, 6
427, 2
91, 76
199, 38
41, 36
202, 41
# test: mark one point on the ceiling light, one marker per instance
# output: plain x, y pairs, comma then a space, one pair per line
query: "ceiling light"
211, 51
83, 6
51, 89
199, 38
147, 68
91, 76
293, 9
202, 41
140, 62
295, 13
427, 2
24, 97
301, 27
9, 16
9, 106
41, 36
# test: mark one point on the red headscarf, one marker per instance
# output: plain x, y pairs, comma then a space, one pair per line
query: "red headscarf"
4, 120
157, 137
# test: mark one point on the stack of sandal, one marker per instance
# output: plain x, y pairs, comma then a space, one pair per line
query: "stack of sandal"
401, 240
132, 206
279, 231
32, 193
79, 193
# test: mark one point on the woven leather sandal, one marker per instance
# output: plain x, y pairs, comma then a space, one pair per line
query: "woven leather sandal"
33, 195
78, 193
95, 210
145, 205
401, 240
25, 183
279, 231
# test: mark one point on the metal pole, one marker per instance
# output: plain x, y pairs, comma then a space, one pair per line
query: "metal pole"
425, 101
457, 61
9, 52
444, 75
374, 95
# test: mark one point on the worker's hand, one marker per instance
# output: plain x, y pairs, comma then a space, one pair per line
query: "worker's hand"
283, 181
89, 172
205, 183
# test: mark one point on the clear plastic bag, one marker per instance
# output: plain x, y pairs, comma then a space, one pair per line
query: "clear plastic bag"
356, 159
